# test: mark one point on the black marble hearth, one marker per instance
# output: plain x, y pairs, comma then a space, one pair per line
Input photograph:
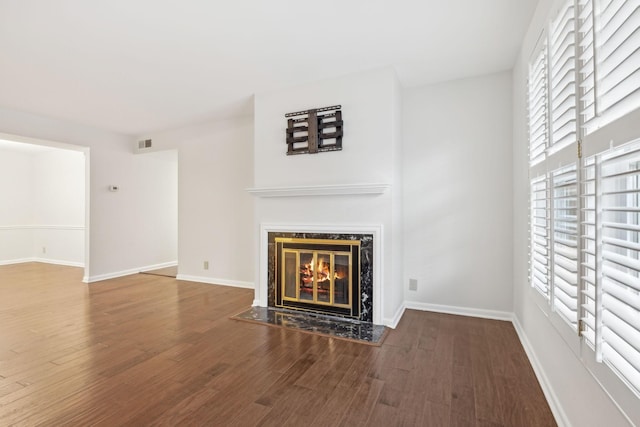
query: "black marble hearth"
366, 266
335, 327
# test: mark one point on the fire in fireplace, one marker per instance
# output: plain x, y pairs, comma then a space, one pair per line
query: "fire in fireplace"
318, 275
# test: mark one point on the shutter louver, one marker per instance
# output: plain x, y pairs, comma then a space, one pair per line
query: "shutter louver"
609, 57
619, 56
565, 243
619, 201
563, 78
588, 271
586, 61
537, 91
539, 246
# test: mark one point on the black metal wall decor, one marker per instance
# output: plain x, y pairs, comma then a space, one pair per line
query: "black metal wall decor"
320, 130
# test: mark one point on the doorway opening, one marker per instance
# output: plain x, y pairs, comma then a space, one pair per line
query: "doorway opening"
158, 172
47, 219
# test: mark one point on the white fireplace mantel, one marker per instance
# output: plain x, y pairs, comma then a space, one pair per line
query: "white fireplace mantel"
320, 190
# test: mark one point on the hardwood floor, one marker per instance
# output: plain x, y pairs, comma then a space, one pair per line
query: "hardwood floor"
151, 350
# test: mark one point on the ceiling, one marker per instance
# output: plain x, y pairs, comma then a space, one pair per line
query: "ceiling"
140, 66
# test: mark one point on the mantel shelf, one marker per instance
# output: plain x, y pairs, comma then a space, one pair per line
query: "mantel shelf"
320, 190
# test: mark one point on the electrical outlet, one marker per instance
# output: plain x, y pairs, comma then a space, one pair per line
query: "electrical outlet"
44, 249
206, 265
413, 284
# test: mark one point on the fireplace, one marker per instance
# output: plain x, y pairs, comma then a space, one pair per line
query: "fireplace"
326, 273
320, 275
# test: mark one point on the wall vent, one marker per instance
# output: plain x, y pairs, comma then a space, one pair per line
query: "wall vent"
142, 146
145, 143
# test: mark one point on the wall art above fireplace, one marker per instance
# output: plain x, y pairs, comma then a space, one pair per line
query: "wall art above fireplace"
314, 130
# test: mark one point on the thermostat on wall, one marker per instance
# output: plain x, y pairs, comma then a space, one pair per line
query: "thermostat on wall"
113, 188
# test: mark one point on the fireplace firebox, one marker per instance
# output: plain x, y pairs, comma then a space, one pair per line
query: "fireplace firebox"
321, 275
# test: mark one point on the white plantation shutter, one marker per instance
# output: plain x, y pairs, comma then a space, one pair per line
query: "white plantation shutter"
589, 290
609, 60
619, 200
539, 269
586, 61
585, 222
618, 41
537, 100
565, 243
563, 77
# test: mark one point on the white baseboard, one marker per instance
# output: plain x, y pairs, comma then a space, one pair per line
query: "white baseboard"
549, 394
460, 311
107, 276
159, 266
114, 275
215, 281
256, 303
393, 321
17, 261
60, 262
43, 260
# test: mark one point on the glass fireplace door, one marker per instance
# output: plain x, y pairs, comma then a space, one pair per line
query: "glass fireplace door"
318, 277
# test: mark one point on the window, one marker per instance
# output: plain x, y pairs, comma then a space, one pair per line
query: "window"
537, 94
612, 301
539, 225
588, 264
565, 244
584, 78
562, 70
609, 60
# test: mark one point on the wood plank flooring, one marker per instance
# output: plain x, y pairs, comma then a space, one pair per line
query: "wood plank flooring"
151, 350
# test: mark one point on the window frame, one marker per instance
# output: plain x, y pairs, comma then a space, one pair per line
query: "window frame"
590, 140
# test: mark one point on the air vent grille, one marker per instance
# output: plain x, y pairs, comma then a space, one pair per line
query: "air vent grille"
145, 143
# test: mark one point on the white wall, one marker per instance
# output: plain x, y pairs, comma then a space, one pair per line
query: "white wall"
124, 238
16, 206
571, 388
59, 206
397, 203
215, 164
370, 110
457, 195
156, 184
119, 244
59, 196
